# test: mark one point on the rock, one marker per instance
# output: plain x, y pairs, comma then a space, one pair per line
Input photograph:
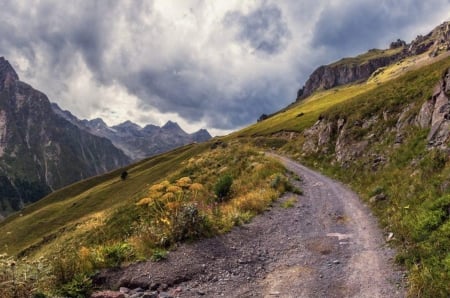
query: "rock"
347, 149
435, 112
318, 136
108, 294
397, 44
201, 292
262, 117
390, 237
165, 295
405, 119
163, 287
124, 290
423, 119
300, 93
153, 294
377, 198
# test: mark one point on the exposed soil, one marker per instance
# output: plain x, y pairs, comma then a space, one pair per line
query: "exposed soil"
327, 245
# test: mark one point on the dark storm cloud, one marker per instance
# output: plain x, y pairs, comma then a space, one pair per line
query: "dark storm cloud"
263, 28
61, 30
197, 97
355, 26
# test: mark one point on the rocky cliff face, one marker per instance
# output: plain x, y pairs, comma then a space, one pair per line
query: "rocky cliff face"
435, 114
40, 151
135, 141
345, 72
360, 68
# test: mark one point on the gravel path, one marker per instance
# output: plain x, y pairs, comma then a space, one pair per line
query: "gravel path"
327, 245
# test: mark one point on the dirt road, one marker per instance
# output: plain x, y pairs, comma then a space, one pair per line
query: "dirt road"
327, 245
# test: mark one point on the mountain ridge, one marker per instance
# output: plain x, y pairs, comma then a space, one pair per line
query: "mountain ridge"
39, 151
136, 141
360, 68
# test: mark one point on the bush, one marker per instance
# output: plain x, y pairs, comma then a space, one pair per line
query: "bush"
188, 223
223, 186
158, 255
115, 255
289, 203
80, 286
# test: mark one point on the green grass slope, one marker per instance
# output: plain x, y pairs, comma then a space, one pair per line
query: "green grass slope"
195, 191
55, 213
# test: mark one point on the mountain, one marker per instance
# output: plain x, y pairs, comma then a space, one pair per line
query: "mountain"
39, 150
360, 68
135, 141
385, 135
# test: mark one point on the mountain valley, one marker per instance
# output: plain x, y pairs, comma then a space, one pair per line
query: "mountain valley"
378, 122
43, 148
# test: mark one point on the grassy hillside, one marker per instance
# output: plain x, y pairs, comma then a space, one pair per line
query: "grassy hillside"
194, 191
58, 211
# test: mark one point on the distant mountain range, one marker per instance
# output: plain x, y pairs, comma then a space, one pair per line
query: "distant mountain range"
43, 148
135, 141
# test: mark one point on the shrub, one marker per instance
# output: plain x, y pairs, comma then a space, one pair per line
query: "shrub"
115, 255
158, 255
289, 203
79, 287
275, 182
223, 186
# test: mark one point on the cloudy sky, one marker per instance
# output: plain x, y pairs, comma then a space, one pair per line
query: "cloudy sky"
216, 64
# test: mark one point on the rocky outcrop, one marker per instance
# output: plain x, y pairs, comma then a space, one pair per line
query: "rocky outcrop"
435, 42
347, 141
435, 113
327, 136
40, 151
317, 137
345, 72
135, 141
360, 68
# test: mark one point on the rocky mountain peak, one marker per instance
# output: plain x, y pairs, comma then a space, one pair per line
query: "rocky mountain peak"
150, 128
7, 73
201, 135
171, 125
97, 123
127, 125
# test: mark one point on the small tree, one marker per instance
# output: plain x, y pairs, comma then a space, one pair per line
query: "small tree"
223, 186
124, 175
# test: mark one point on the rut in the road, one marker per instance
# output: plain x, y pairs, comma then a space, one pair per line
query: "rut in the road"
327, 245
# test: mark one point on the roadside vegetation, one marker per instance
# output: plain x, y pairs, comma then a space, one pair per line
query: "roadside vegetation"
205, 194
